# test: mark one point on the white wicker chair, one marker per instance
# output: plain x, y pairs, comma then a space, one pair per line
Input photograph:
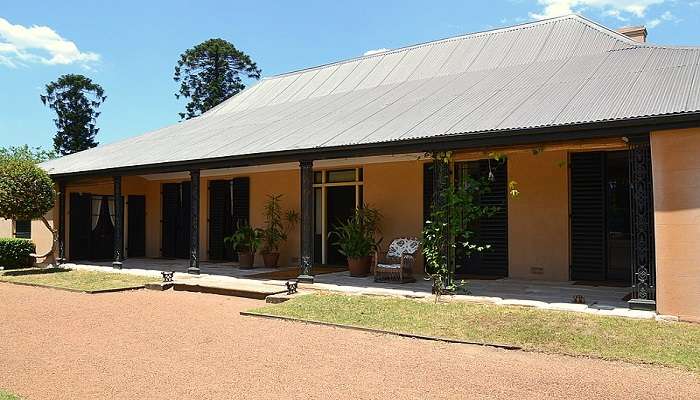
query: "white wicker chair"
398, 262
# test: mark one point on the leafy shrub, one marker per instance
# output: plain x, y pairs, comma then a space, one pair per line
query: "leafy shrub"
16, 252
26, 191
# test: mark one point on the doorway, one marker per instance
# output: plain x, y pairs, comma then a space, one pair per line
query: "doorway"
491, 230
136, 233
229, 209
91, 219
336, 195
600, 217
176, 220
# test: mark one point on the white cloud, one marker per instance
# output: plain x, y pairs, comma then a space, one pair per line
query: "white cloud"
667, 16
375, 51
20, 45
614, 8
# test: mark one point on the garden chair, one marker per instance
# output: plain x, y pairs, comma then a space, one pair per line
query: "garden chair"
398, 262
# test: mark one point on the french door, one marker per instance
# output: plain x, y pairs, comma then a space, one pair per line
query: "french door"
336, 195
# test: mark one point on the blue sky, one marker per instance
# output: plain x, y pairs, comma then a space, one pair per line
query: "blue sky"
131, 47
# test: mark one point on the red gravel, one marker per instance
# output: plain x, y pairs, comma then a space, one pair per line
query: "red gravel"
165, 345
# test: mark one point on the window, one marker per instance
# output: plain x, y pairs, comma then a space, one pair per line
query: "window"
344, 175
23, 229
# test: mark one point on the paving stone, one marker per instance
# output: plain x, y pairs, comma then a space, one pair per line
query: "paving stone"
667, 318
159, 286
477, 299
522, 303
566, 306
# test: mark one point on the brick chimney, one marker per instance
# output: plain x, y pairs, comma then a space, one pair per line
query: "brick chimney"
636, 33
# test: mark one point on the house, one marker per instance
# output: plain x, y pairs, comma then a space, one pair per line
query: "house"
601, 131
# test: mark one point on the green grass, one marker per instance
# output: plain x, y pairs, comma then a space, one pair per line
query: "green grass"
75, 279
614, 338
7, 396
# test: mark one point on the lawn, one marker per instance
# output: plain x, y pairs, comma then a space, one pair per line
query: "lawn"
614, 338
7, 396
75, 279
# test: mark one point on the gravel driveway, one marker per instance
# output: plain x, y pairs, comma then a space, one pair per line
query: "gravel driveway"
164, 345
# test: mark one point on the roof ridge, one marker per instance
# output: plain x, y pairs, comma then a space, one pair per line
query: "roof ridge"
524, 25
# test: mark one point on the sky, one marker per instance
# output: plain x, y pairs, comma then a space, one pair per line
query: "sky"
131, 47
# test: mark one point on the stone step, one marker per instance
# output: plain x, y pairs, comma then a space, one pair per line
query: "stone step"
247, 290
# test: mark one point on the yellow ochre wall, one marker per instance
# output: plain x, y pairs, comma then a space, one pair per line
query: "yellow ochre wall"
396, 190
262, 184
538, 218
676, 171
6, 228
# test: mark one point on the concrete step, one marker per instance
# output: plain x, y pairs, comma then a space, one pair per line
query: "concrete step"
243, 289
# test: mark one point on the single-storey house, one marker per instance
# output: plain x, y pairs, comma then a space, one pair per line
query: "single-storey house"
600, 129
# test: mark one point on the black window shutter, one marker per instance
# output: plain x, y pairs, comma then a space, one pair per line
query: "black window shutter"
241, 201
171, 207
588, 216
493, 230
219, 199
80, 220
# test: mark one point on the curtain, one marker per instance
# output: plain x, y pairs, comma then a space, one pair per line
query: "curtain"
95, 213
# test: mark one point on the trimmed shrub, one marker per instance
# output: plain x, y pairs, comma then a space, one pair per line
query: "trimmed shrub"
15, 253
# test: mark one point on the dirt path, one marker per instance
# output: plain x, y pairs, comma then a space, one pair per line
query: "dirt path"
153, 345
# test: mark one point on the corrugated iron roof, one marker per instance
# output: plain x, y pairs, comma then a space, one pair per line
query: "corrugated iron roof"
560, 71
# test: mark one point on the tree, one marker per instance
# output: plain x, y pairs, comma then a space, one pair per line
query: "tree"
34, 154
210, 73
75, 99
26, 193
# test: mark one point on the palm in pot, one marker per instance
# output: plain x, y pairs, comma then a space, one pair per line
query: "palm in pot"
356, 239
246, 241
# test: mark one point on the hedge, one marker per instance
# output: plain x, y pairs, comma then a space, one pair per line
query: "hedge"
16, 252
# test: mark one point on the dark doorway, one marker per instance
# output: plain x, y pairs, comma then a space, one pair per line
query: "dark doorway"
80, 221
600, 217
102, 223
136, 243
229, 207
492, 230
340, 205
176, 220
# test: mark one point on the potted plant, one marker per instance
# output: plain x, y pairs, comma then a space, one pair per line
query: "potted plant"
246, 241
356, 239
277, 226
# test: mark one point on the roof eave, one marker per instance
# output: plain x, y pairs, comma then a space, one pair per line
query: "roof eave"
599, 129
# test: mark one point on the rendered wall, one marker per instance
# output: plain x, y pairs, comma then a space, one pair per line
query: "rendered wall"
396, 190
676, 171
538, 218
262, 184
6, 228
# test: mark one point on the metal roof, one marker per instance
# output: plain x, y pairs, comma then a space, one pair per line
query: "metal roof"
555, 72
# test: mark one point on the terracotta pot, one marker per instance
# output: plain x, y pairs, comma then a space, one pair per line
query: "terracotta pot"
270, 259
245, 260
359, 266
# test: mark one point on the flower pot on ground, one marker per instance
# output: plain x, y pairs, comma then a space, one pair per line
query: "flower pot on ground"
246, 260
271, 259
359, 266
277, 225
356, 239
246, 241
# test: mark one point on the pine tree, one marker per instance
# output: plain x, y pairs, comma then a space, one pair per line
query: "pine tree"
75, 99
210, 73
